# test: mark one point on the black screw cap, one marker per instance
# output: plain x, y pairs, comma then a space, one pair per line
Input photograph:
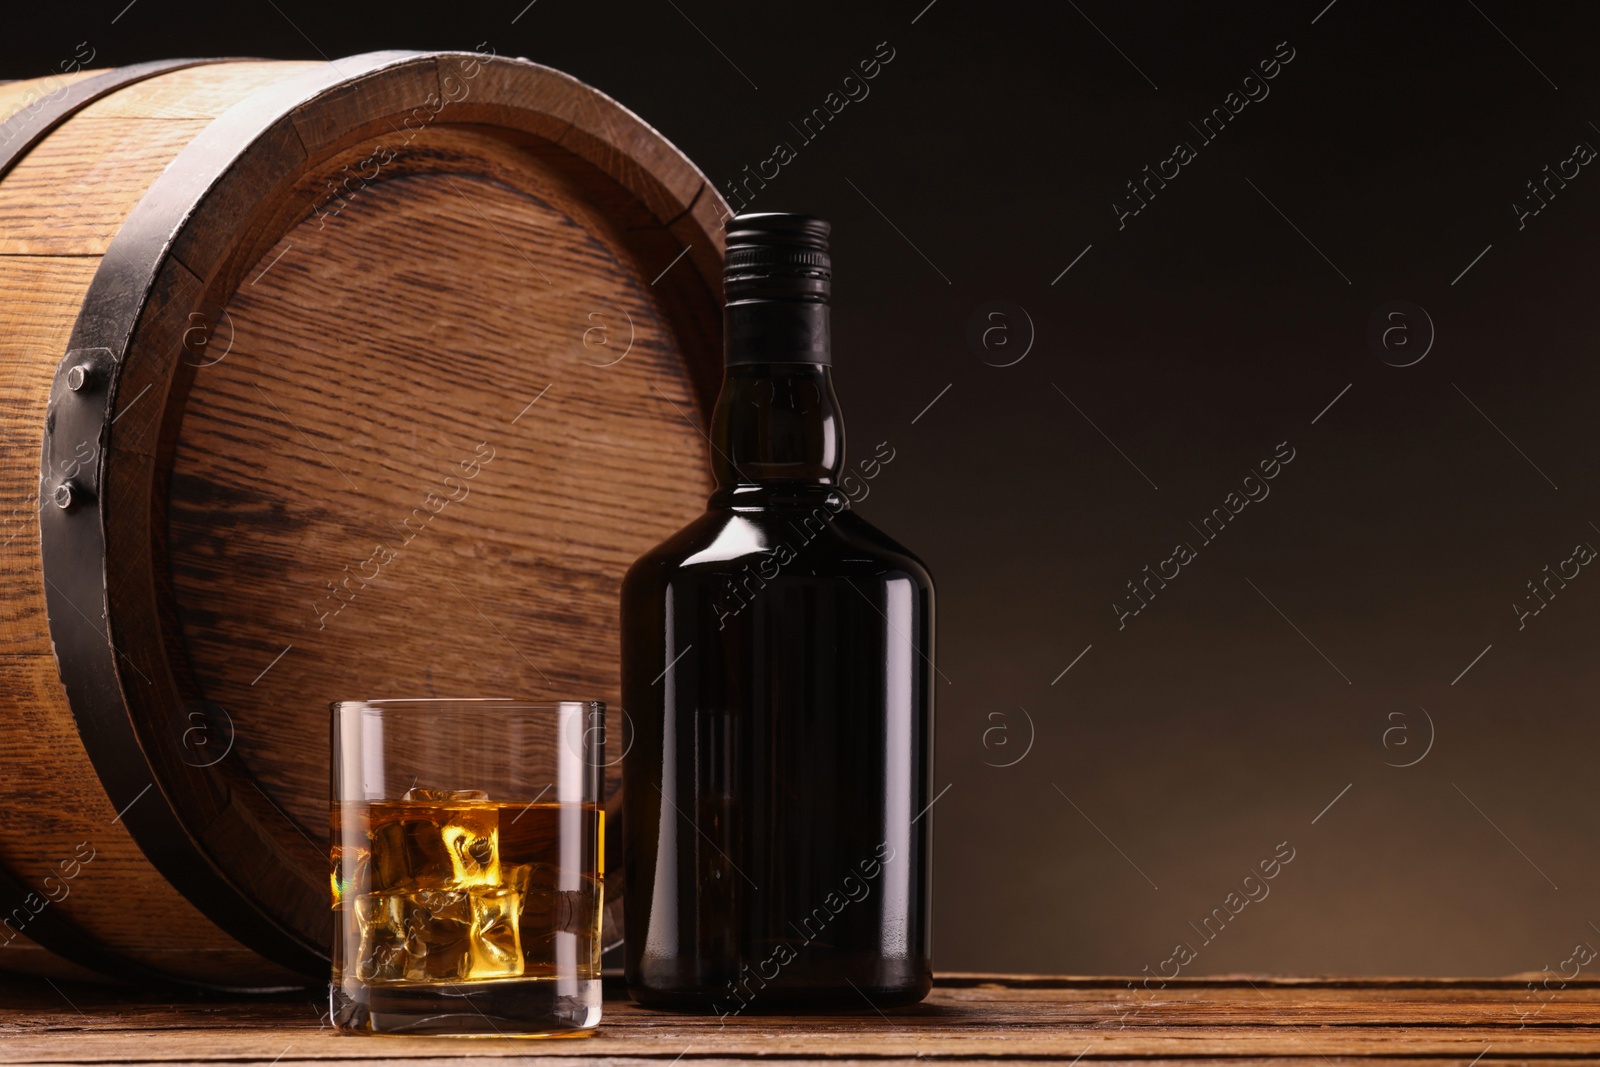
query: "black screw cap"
777, 256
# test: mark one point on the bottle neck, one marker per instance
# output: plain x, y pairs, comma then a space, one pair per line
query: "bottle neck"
776, 434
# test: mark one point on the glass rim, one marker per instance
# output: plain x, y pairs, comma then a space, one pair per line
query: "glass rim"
442, 703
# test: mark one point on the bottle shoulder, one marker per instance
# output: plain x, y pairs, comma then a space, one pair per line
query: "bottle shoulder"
816, 541
888, 549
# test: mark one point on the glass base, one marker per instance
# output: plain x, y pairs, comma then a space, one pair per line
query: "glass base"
513, 1007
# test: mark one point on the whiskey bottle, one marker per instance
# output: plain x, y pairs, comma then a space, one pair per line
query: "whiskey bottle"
777, 666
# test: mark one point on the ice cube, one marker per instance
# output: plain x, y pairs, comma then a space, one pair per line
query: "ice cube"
447, 795
550, 909
471, 835
423, 936
496, 939
382, 956
409, 852
536, 883
452, 839
438, 931
551, 913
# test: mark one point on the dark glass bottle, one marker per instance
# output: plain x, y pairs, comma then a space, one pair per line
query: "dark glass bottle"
777, 663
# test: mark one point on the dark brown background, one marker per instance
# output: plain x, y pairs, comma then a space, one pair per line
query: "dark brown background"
1180, 751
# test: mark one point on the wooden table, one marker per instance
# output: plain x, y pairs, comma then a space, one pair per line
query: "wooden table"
968, 1017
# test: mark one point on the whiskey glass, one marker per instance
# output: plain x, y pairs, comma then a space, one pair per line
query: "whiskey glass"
467, 866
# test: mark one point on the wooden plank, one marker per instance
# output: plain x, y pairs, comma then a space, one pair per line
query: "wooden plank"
70, 194
37, 92
42, 299
78, 857
195, 92
1240, 1019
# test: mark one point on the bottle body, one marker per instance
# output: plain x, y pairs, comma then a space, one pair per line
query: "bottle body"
778, 670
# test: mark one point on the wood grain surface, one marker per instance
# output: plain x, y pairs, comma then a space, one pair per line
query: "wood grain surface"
422, 374
456, 480
42, 295
968, 1017
51, 803
35, 93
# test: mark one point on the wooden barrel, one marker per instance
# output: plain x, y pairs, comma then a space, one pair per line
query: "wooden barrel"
319, 381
